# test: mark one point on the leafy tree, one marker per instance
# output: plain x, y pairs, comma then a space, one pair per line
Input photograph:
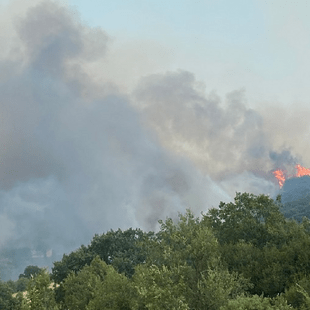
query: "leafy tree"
256, 302
267, 268
79, 289
258, 242
225, 261
7, 301
40, 294
296, 198
297, 209
186, 241
217, 286
73, 262
19, 301
114, 292
30, 271
12, 285
160, 288
306, 301
250, 218
190, 248
101, 286
297, 294
120, 249
21, 284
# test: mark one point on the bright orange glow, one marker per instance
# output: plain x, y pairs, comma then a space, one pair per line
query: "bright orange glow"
279, 174
301, 171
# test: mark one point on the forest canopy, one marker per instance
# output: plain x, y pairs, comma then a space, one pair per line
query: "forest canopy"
242, 255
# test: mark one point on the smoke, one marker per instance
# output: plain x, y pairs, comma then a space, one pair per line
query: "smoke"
79, 156
225, 140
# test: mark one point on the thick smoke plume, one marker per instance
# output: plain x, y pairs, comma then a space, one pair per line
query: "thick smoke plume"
78, 156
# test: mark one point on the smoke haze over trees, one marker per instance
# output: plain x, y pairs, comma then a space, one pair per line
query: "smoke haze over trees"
79, 155
243, 255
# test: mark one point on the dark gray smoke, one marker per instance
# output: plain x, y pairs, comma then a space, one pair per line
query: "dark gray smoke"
78, 157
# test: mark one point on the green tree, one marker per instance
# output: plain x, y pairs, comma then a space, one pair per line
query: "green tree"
258, 242
12, 285
118, 248
251, 218
73, 262
101, 286
256, 302
21, 284
190, 247
30, 271
306, 301
217, 286
186, 241
40, 294
121, 249
7, 301
273, 268
114, 292
297, 294
160, 288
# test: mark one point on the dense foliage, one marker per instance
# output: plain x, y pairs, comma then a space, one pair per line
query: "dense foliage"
297, 209
242, 255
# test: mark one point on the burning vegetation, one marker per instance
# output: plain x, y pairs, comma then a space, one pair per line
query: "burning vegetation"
282, 175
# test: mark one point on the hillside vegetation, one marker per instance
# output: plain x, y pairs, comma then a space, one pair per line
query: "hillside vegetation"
241, 255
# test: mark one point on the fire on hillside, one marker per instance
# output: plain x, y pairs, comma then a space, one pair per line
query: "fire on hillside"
282, 175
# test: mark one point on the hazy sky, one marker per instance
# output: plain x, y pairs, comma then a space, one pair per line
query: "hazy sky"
119, 113
262, 46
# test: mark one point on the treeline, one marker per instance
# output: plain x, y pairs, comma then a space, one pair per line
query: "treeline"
242, 255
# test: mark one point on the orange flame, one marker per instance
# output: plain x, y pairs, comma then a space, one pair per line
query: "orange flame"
301, 171
279, 174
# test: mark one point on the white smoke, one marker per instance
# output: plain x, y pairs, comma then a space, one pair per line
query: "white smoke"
80, 156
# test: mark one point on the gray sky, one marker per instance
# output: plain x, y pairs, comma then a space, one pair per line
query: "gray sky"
117, 114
